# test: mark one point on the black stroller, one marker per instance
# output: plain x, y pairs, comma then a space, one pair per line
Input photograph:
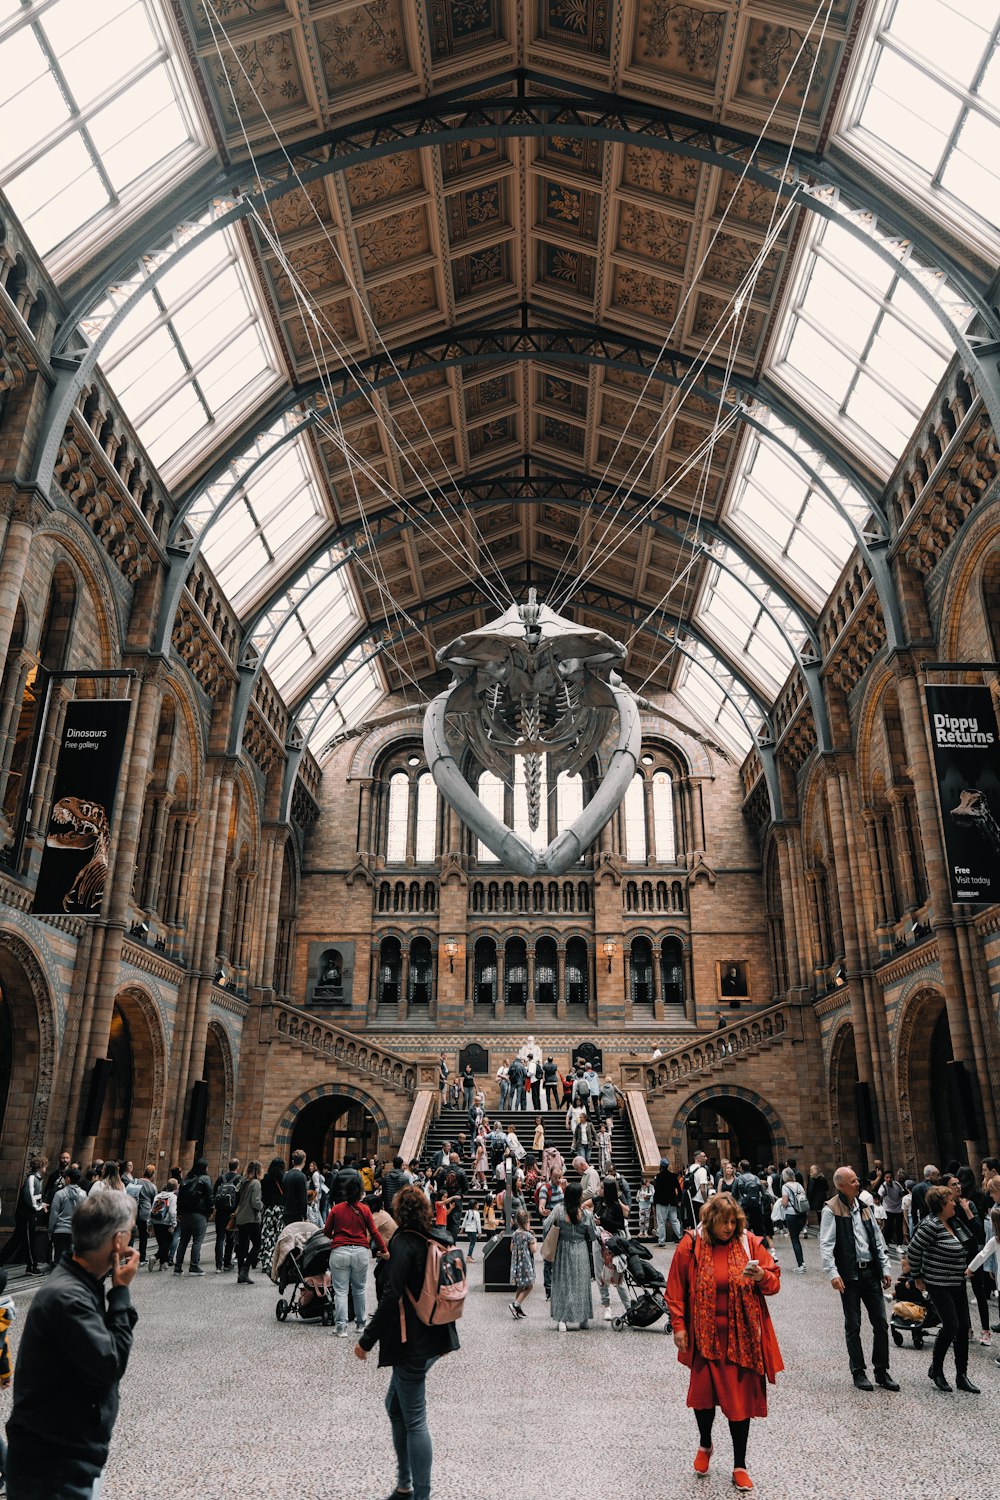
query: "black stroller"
305, 1268
635, 1265
913, 1312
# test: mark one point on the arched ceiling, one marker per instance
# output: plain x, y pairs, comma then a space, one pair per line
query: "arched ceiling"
520, 302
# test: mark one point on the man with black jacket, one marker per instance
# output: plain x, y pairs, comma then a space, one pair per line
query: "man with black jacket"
392, 1182
296, 1190
406, 1344
226, 1197
74, 1350
194, 1209
666, 1197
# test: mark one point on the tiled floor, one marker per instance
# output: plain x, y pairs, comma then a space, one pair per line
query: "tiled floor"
221, 1402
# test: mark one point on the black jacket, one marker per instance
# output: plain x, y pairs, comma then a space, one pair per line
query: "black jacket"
195, 1196
73, 1352
666, 1186
393, 1181
296, 1196
407, 1260
338, 1184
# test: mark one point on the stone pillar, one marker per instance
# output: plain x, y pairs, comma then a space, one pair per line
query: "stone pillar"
156, 848
657, 982
25, 510
877, 866
648, 819
529, 999
98, 1001
403, 1004
10, 713
365, 817
560, 981
904, 859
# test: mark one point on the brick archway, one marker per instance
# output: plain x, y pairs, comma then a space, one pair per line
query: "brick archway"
843, 1115
285, 1126
915, 1084
722, 1093
149, 1062
25, 1122
219, 1074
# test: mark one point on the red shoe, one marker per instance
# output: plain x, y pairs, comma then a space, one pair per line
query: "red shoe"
701, 1459
742, 1480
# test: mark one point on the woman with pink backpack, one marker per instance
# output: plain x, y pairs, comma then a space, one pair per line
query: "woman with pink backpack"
413, 1325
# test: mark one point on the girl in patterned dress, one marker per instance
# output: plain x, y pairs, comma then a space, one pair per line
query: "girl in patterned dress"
522, 1263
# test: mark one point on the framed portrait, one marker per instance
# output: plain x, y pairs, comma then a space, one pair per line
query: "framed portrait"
733, 979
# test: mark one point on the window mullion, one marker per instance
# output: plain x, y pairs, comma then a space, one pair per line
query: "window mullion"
192, 371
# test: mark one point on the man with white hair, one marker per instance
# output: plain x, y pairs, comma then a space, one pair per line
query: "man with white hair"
73, 1352
853, 1255
918, 1198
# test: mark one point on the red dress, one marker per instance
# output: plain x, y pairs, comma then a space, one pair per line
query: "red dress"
740, 1393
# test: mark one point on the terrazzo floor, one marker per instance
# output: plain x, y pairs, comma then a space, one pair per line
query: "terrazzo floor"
221, 1401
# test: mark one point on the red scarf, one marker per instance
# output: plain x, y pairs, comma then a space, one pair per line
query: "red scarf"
745, 1343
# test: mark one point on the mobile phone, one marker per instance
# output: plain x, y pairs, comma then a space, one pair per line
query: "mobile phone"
751, 1265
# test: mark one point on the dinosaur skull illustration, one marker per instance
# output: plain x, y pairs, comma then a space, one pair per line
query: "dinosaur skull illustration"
532, 684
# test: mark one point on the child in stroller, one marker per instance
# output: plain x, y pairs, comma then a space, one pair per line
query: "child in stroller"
913, 1311
643, 1281
301, 1261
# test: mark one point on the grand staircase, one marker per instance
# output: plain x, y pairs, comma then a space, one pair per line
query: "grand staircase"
716, 1052
450, 1123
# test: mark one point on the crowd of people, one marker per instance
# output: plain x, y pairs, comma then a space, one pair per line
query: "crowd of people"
725, 1218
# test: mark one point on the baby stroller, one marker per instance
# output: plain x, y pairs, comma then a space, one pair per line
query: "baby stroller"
912, 1312
302, 1263
645, 1283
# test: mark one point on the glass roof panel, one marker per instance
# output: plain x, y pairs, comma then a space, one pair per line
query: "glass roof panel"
192, 356
358, 695
930, 105
94, 117
273, 515
732, 611
698, 689
859, 346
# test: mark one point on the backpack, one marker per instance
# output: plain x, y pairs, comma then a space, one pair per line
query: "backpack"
797, 1200
442, 1296
689, 1185
749, 1185
226, 1196
161, 1209
191, 1196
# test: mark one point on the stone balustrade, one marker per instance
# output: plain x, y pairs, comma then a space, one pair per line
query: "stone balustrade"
343, 1047
778, 1024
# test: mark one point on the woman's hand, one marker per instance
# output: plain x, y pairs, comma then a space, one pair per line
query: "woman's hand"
360, 1353
753, 1273
681, 1339
920, 1285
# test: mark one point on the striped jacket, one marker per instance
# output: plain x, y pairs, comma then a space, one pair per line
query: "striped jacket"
936, 1255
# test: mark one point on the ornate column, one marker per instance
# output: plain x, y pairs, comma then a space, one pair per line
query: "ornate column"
657, 981
365, 817
904, 858
560, 980
529, 999
156, 848
499, 1004
403, 1004
25, 509
875, 860
648, 819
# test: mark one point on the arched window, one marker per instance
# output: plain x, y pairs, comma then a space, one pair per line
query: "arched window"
397, 818
641, 971
390, 966
491, 796
516, 972
635, 822
663, 817
577, 986
672, 972
485, 972
569, 799
545, 971
421, 969
427, 806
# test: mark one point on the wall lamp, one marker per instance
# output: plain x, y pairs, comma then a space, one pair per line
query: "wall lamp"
451, 948
610, 949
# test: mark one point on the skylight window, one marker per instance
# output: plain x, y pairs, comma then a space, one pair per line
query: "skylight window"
316, 627
266, 524
860, 346
931, 97
192, 356
736, 617
93, 115
700, 685
360, 690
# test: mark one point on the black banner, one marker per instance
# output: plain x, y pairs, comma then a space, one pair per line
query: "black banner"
75, 859
967, 759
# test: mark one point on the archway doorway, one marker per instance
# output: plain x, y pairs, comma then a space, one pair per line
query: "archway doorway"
333, 1128
726, 1126
20, 1056
111, 1139
845, 1080
935, 1109
214, 1146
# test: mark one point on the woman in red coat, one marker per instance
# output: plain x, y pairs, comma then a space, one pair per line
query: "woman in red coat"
718, 1279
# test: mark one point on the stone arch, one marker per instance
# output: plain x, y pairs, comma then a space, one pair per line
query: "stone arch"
149, 1064
722, 1092
408, 726
34, 1030
220, 1075
926, 1110
283, 1129
844, 1133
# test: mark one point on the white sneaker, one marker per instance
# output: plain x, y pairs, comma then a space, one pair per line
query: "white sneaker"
562, 1327
986, 1337
608, 1315
801, 1269
340, 1333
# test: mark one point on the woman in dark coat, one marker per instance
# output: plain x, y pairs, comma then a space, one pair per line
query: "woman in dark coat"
406, 1400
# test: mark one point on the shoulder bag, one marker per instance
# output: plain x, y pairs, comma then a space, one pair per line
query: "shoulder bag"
550, 1244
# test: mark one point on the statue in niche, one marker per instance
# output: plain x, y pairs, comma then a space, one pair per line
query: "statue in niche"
330, 985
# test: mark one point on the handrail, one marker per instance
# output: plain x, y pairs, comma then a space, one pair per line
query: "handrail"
646, 1146
421, 1115
711, 1049
319, 1035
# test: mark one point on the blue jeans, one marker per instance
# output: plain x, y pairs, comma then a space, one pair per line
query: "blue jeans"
349, 1270
406, 1403
504, 1091
667, 1212
193, 1228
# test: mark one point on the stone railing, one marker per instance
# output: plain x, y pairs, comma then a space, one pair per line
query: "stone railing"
306, 1030
767, 1028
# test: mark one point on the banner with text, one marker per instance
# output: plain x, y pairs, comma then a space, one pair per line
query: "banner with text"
966, 743
75, 858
